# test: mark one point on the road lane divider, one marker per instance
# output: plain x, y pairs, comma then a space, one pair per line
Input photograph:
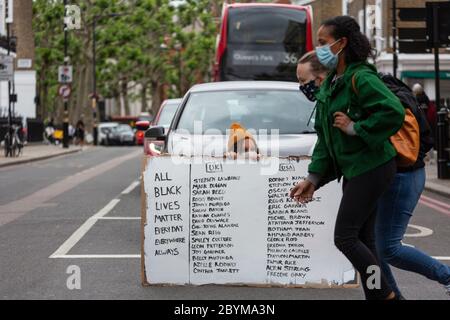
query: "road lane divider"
17, 208
131, 187
99, 256
83, 229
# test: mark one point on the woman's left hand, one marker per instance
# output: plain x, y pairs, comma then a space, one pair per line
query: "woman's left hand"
342, 121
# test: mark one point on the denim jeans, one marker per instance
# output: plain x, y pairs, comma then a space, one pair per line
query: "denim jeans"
395, 209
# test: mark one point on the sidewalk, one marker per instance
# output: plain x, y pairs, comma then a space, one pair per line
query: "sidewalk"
433, 183
38, 151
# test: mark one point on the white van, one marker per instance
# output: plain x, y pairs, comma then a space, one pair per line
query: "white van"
103, 129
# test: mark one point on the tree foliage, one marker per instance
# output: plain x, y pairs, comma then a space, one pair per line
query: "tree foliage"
146, 50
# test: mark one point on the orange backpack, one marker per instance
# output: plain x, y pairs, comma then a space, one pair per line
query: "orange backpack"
407, 140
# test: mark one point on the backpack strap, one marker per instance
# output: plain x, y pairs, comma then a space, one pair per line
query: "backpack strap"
354, 84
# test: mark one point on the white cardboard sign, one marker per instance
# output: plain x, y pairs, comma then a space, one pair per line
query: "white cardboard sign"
216, 221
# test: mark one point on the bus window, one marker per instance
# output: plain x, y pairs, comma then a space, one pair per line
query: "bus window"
263, 42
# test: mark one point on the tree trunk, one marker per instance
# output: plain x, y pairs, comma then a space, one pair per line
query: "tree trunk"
87, 100
144, 98
156, 96
59, 110
44, 101
75, 102
124, 90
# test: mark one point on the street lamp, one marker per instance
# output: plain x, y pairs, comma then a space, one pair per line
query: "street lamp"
94, 82
66, 107
394, 38
9, 93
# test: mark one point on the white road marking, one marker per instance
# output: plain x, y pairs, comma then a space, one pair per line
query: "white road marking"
85, 227
131, 187
119, 218
423, 231
17, 208
97, 256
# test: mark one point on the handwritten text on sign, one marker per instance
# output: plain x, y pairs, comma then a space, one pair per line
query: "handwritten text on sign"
223, 222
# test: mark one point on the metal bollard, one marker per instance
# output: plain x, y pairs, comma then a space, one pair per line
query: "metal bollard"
95, 134
443, 161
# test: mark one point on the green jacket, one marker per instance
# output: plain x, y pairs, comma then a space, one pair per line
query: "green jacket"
376, 112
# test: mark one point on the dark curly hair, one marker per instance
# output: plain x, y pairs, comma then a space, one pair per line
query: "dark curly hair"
358, 47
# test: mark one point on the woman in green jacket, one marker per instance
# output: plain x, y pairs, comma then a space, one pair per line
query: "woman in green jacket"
356, 114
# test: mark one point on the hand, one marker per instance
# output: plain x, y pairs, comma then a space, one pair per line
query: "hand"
303, 191
341, 121
231, 155
252, 156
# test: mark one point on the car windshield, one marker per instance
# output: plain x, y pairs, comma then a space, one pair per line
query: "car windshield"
286, 110
167, 113
145, 118
267, 26
123, 128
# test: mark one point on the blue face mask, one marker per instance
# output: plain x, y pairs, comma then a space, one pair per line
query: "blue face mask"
326, 57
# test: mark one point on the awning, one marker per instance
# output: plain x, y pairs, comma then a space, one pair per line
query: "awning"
445, 75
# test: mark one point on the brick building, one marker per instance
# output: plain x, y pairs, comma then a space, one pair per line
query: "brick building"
415, 63
322, 10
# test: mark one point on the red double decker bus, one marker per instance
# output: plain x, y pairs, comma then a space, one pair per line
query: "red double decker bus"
262, 41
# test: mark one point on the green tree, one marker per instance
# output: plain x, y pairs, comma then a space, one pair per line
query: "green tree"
194, 42
148, 50
48, 35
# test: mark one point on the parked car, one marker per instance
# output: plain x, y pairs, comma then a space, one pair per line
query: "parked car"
275, 107
120, 135
103, 129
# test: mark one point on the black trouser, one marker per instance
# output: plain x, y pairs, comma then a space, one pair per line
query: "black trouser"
354, 234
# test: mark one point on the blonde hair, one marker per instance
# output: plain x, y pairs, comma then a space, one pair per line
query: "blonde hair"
238, 133
311, 58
